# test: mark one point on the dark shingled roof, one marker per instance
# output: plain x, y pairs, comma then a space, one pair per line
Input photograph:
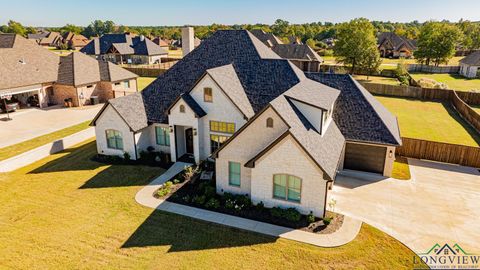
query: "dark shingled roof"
193, 105
124, 43
297, 52
131, 110
264, 76
359, 116
263, 79
472, 59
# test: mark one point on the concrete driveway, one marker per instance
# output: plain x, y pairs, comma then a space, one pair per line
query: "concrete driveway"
441, 204
34, 122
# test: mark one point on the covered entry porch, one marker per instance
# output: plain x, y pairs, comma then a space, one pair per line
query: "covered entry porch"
186, 144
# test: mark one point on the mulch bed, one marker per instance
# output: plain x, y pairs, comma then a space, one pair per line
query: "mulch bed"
191, 188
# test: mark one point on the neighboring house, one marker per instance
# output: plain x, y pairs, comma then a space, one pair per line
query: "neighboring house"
294, 40
299, 54
178, 43
38, 36
53, 39
277, 134
74, 41
392, 45
164, 43
35, 76
125, 49
86, 80
470, 65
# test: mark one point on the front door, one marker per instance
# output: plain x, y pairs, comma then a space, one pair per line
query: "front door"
189, 140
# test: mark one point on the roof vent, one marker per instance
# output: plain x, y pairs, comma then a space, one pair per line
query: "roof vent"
22, 61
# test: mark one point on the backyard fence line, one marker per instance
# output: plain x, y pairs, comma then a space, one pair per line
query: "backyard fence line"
433, 69
472, 98
43, 151
153, 70
442, 152
339, 69
469, 114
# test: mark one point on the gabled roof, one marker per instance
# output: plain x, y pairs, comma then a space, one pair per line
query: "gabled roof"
131, 110
124, 43
313, 93
79, 69
199, 112
325, 150
359, 116
24, 63
472, 59
227, 79
396, 41
296, 52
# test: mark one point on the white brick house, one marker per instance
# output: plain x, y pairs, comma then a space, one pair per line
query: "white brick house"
276, 133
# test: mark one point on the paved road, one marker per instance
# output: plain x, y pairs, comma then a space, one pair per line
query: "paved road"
440, 205
31, 123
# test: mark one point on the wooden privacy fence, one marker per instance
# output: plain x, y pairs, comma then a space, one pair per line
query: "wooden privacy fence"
472, 98
442, 152
339, 69
433, 69
466, 111
153, 70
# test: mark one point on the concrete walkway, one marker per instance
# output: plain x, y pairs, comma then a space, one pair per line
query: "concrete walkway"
348, 232
439, 205
33, 122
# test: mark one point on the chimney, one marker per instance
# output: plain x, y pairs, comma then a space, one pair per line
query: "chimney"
187, 40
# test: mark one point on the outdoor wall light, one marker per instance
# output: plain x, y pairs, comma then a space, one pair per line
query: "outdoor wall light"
390, 154
171, 129
194, 132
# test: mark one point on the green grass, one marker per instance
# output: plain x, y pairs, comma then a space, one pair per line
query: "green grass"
377, 79
16, 149
428, 120
144, 82
387, 62
68, 212
454, 81
401, 170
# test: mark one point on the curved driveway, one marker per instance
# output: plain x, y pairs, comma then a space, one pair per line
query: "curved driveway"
441, 204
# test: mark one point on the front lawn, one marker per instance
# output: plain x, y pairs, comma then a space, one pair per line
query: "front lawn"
69, 212
16, 149
429, 120
376, 79
453, 81
143, 82
401, 170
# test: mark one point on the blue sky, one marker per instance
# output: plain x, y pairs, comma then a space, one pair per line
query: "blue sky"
171, 12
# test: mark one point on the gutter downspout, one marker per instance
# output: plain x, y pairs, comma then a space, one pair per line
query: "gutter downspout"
135, 145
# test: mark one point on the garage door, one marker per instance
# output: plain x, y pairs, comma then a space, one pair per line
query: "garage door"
363, 157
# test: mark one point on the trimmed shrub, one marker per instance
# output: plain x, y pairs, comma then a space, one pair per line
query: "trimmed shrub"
213, 203
290, 214
327, 220
209, 191
186, 198
165, 189
176, 181
229, 204
199, 199
260, 206
310, 218
126, 156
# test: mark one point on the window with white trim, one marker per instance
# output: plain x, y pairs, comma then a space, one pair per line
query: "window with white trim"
162, 135
114, 139
287, 187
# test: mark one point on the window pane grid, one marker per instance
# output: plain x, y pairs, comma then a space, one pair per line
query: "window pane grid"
287, 187
162, 136
114, 139
216, 141
223, 127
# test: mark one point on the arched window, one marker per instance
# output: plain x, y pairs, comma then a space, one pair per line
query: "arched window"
182, 108
269, 122
114, 139
287, 187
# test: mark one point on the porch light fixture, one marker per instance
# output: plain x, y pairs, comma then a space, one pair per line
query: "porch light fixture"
171, 129
390, 154
194, 132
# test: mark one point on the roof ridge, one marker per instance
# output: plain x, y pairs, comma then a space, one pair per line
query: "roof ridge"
374, 108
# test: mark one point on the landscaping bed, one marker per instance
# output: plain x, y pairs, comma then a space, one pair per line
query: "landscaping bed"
188, 189
148, 158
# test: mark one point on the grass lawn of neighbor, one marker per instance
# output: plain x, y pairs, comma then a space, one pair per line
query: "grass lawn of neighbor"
377, 79
175, 53
453, 81
428, 120
69, 212
16, 149
144, 82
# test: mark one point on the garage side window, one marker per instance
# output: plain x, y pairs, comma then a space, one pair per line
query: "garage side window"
287, 187
269, 122
114, 139
234, 173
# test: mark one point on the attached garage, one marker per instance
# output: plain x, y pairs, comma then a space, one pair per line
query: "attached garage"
364, 157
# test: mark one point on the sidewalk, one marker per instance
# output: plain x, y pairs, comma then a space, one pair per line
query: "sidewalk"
344, 235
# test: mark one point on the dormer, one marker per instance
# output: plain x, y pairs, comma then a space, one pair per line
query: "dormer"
314, 115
